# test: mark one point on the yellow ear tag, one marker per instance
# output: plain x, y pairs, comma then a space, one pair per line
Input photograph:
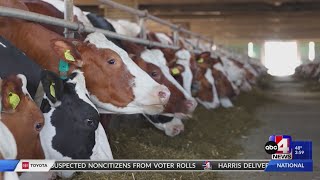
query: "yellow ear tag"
201, 60
14, 100
175, 71
52, 91
68, 56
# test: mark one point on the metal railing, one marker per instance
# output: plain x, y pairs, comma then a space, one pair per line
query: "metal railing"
30, 16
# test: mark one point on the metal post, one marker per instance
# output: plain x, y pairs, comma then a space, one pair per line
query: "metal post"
142, 20
211, 46
68, 16
176, 37
198, 43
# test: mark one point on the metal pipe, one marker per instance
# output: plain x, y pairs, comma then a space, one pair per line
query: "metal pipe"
30, 16
143, 33
68, 16
176, 37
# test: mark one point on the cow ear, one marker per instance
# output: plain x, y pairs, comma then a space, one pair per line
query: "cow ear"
52, 86
177, 70
67, 51
10, 95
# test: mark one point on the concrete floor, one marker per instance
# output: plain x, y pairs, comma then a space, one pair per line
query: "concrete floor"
296, 113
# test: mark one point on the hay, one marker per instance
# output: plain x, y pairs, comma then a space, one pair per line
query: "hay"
208, 135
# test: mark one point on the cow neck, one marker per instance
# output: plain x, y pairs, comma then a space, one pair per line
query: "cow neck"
23, 39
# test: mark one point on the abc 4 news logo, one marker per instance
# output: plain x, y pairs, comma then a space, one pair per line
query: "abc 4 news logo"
279, 149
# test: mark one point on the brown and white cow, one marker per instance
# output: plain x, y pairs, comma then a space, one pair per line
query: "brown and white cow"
207, 94
180, 103
20, 122
116, 84
153, 62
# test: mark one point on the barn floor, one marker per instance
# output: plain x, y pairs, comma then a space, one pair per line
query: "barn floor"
295, 112
282, 106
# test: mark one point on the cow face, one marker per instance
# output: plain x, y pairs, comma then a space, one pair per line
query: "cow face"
185, 76
147, 95
223, 84
172, 126
177, 97
71, 118
206, 91
22, 117
115, 83
180, 101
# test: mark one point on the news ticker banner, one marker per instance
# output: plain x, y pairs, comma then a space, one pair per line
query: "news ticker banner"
157, 165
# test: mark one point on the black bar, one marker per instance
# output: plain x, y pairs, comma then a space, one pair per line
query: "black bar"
161, 165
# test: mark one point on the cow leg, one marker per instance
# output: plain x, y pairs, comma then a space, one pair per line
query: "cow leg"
105, 120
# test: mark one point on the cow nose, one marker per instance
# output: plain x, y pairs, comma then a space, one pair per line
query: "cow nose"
177, 129
191, 105
164, 94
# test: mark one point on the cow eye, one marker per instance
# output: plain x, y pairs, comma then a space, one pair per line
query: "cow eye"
38, 126
89, 122
154, 74
111, 61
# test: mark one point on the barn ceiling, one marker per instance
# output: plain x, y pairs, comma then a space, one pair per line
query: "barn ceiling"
243, 19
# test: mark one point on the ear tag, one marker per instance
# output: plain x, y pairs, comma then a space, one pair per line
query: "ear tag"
201, 60
175, 71
52, 91
14, 100
68, 56
63, 69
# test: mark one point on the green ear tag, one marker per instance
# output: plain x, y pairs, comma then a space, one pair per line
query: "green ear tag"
14, 100
175, 71
201, 60
63, 69
52, 91
68, 56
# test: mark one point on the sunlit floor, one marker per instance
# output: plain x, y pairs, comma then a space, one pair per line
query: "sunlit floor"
281, 58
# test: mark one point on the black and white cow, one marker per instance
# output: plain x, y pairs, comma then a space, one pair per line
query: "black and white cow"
72, 129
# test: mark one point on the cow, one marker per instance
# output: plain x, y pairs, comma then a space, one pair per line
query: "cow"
18, 110
235, 73
224, 87
154, 63
202, 83
206, 94
116, 84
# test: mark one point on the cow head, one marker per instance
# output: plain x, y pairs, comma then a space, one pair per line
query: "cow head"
236, 74
21, 116
206, 91
180, 101
71, 118
182, 71
172, 126
223, 84
116, 84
